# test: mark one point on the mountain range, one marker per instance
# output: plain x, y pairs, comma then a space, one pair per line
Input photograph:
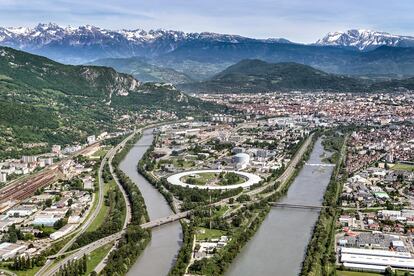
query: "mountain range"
255, 76
142, 70
45, 101
365, 39
202, 55
87, 43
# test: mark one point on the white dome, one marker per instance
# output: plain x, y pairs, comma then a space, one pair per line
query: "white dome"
241, 158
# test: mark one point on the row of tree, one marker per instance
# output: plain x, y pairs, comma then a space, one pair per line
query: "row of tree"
184, 255
113, 221
135, 239
25, 263
74, 268
320, 254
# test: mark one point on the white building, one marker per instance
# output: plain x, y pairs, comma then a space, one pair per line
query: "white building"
48, 161
45, 220
241, 160
29, 159
63, 231
10, 250
22, 211
375, 260
91, 139
3, 177
56, 149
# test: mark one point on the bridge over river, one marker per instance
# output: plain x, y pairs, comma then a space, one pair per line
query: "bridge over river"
320, 164
148, 225
297, 206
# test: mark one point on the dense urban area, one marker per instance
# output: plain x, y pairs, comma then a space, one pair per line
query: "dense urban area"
73, 208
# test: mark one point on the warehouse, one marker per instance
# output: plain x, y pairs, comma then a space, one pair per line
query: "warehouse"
375, 260
10, 250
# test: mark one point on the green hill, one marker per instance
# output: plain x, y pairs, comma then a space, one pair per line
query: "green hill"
45, 101
394, 85
143, 71
252, 75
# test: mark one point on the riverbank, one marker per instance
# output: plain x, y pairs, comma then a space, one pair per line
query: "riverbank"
279, 244
320, 255
160, 254
135, 239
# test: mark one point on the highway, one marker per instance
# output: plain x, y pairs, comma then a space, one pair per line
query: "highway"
89, 248
112, 238
89, 220
283, 179
108, 158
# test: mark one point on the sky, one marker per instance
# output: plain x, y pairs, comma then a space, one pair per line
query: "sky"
297, 20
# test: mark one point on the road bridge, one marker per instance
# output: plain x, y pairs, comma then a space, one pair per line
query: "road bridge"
118, 235
297, 206
320, 164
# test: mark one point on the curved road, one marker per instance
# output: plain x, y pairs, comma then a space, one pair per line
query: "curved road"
109, 156
88, 222
91, 247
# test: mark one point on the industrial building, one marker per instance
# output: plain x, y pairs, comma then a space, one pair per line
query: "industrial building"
68, 228
22, 211
375, 260
241, 160
10, 250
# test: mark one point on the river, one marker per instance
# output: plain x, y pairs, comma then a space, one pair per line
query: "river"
279, 245
160, 254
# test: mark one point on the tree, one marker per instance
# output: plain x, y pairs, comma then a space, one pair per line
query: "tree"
84, 264
389, 272
48, 202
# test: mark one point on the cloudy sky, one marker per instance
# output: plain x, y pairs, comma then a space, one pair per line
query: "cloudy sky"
297, 20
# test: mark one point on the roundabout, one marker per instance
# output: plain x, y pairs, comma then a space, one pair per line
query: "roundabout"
204, 178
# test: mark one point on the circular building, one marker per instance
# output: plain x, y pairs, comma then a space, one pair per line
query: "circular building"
241, 160
250, 179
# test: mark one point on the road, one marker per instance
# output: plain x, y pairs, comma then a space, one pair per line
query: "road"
89, 220
112, 238
283, 179
108, 158
87, 249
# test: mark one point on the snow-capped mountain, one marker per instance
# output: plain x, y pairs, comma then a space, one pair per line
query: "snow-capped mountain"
365, 39
86, 43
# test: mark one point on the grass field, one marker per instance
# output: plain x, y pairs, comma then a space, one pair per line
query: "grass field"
208, 234
29, 272
403, 167
95, 257
100, 153
220, 212
183, 163
202, 179
104, 209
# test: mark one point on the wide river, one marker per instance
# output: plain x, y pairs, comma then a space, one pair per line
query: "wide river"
279, 245
160, 254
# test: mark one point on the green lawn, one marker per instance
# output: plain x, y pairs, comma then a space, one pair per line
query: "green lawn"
95, 257
403, 167
183, 163
100, 152
208, 233
104, 209
220, 212
202, 179
29, 272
